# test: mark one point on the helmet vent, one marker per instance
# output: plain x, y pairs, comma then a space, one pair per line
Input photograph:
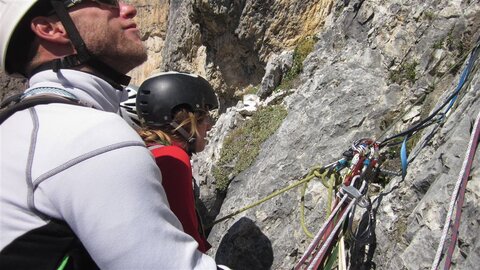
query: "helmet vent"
146, 91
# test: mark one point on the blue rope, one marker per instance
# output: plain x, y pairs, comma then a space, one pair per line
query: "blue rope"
462, 80
453, 97
403, 157
450, 100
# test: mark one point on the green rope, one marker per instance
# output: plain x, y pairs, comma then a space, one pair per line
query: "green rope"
313, 174
316, 172
64, 263
331, 185
332, 259
302, 212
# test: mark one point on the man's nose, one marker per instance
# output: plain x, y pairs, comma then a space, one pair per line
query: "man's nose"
127, 10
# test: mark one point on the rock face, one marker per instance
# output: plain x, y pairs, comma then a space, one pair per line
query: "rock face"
10, 86
375, 62
152, 19
377, 68
277, 66
229, 42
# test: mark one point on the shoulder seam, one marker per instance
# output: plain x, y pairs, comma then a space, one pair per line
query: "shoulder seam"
82, 158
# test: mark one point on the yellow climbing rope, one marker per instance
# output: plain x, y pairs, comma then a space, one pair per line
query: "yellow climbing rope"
331, 184
316, 172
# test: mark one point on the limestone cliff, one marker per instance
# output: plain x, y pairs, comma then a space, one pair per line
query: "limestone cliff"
229, 42
375, 63
152, 18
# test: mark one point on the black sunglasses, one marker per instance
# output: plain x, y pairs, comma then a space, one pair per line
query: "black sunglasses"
108, 3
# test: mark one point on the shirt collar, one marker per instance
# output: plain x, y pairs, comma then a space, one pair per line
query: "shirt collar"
87, 87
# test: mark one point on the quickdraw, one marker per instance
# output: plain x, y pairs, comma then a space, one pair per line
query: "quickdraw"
362, 159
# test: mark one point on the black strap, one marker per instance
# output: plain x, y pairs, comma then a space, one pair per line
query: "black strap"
19, 105
45, 248
12, 99
83, 55
72, 31
109, 72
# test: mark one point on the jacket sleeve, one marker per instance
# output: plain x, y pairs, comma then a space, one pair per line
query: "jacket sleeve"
116, 205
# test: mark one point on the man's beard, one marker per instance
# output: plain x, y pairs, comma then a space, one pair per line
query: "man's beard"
124, 58
115, 49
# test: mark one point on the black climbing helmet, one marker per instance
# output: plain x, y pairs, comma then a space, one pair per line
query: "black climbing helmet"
161, 94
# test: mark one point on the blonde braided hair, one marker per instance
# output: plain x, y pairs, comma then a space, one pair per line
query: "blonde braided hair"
167, 134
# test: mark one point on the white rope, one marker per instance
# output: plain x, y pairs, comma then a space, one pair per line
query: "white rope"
454, 199
342, 258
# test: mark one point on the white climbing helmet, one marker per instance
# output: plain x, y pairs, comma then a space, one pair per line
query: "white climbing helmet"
11, 14
16, 38
128, 109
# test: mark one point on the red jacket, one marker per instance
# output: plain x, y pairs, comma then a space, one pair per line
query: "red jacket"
174, 163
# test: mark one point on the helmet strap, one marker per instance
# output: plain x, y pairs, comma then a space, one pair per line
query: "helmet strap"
83, 56
190, 140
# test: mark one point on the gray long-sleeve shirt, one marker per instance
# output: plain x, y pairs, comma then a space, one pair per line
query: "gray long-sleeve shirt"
86, 166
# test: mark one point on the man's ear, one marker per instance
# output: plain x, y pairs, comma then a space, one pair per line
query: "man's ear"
49, 29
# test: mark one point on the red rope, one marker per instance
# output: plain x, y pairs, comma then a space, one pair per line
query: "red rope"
461, 196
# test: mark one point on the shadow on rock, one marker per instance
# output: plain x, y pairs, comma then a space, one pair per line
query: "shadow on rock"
245, 247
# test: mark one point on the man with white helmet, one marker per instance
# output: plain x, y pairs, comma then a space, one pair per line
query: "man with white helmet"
78, 188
